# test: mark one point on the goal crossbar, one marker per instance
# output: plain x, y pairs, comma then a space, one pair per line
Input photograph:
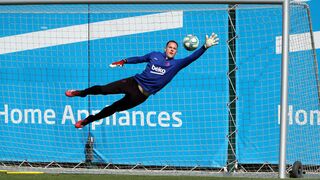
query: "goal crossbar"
13, 2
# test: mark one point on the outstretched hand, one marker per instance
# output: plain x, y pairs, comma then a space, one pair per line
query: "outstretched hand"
118, 63
211, 41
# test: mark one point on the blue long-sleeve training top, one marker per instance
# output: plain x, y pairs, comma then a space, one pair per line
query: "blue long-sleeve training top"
160, 70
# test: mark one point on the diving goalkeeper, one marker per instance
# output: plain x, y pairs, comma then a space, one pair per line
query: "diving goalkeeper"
160, 70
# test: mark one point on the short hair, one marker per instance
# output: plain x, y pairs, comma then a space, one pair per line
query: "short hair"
171, 41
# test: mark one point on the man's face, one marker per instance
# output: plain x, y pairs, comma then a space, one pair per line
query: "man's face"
171, 49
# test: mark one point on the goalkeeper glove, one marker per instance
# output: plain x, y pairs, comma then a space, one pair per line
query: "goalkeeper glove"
118, 63
211, 41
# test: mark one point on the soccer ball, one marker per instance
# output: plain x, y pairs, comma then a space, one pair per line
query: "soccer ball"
190, 42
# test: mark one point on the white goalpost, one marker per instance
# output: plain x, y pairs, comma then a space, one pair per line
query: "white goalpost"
284, 89
244, 107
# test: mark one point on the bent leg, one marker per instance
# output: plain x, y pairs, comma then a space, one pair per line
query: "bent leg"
127, 102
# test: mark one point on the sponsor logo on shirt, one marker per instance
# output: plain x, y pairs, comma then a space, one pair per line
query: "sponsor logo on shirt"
157, 70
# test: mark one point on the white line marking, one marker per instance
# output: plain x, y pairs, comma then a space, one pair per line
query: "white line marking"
299, 42
103, 29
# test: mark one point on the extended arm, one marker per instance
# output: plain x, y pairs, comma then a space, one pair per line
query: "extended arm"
131, 60
210, 41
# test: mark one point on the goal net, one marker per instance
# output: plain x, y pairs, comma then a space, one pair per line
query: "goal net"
258, 85
192, 125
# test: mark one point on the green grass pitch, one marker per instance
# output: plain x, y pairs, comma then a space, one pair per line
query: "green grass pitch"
113, 177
